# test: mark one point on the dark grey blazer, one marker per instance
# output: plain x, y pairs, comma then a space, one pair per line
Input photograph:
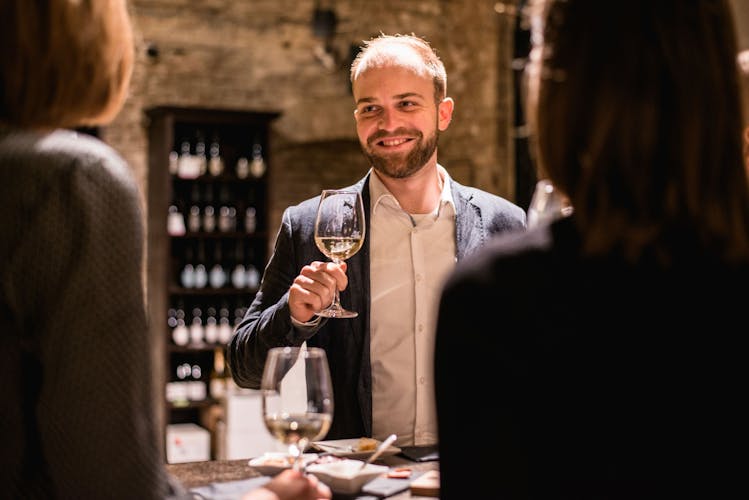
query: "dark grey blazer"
267, 323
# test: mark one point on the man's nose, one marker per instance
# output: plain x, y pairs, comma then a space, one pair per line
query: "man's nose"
388, 119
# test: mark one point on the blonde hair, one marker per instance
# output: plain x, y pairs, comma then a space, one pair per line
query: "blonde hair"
66, 63
406, 51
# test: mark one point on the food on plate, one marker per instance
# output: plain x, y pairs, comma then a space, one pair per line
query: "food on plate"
276, 461
399, 473
366, 444
326, 459
271, 463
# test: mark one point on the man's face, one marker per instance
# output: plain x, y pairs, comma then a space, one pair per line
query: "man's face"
397, 120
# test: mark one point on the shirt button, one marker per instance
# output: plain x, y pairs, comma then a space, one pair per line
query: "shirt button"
421, 328
421, 380
418, 277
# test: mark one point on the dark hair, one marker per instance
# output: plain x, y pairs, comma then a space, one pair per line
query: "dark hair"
639, 120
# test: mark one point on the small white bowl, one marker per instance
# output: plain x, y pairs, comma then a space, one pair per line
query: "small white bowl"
346, 476
271, 463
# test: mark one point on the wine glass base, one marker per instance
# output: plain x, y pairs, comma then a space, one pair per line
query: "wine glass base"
337, 312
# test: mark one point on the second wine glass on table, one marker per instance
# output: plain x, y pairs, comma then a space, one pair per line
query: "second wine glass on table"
339, 234
297, 397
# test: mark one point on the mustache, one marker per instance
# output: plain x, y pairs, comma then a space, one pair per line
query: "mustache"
384, 134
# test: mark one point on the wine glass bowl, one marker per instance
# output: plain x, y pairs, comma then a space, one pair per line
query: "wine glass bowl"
548, 203
339, 234
297, 397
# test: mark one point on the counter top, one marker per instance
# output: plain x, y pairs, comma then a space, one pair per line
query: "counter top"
195, 474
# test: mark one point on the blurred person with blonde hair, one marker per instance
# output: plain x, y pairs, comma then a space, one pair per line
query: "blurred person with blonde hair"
78, 417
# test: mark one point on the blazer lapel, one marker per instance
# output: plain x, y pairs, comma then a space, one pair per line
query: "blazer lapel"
469, 230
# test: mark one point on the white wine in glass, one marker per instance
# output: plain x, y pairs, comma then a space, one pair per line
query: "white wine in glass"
339, 234
297, 397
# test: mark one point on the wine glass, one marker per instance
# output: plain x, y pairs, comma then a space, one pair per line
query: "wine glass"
339, 234
547, 204
297, 398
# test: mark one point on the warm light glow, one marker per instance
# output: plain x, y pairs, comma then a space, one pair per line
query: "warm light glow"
743, 59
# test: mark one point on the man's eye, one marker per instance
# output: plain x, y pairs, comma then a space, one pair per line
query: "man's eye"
368, 109
407, 104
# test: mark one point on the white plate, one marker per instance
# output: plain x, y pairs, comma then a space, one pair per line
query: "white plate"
346, 476
341, 447
271, 463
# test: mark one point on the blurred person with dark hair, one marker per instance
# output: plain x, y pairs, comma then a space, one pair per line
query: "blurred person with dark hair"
610, 341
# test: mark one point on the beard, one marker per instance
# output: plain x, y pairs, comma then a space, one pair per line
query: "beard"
398, 166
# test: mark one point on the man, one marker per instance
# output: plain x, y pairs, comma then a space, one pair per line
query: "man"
419, 222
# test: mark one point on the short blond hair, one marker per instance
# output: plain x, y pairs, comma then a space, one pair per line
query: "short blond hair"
65, 63
406, 51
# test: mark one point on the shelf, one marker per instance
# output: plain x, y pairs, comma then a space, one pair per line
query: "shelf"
238, 134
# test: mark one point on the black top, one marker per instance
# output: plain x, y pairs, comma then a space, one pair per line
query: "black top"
559, 376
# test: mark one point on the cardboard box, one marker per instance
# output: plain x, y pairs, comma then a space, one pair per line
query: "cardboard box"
187, 443
246, 434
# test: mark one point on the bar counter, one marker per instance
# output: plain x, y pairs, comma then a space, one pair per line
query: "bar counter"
195, 474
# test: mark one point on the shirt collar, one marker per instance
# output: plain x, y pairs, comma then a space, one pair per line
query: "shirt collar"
378, 192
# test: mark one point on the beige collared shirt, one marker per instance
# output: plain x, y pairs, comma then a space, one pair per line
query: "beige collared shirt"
410, 256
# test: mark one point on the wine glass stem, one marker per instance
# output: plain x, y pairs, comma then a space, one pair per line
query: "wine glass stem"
297, 451
336, 295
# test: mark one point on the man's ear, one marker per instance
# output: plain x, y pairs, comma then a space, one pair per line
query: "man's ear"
445, 113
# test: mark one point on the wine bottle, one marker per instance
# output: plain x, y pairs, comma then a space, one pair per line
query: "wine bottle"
215, 161
250, 220
193, 217
209, 211
252, 277
197, 333
242, 168
227, 214
217, 274
217, 384
238, 273
187, 166
197, 389
175, 222
239, 313
201, 275
173, 162
200, 156
257, 165
180, 333
187, 275
225, 329
211, 326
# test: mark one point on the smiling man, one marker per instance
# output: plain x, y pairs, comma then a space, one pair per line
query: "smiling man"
419, 223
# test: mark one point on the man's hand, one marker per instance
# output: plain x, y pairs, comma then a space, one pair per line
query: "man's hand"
314, 288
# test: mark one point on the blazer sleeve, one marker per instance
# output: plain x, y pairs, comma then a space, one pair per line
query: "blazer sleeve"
267, 323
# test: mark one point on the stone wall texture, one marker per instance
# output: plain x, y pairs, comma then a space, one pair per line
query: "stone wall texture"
263, 55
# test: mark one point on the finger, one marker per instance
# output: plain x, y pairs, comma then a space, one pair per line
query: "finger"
338, 273
321, 272
306, 301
